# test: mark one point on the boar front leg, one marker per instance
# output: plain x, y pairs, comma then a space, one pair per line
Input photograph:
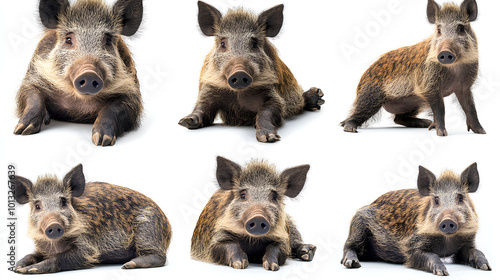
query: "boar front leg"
426, 261
300, 250
269, 118
467, 103
115, 118
436, 102
473, 257
203, 115
29, 260
274, 257
69, 260
31, 106
231, 254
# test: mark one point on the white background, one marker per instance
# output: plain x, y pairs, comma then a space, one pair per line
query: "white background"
176, 167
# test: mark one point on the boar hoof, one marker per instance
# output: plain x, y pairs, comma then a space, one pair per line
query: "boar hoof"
306, 252
266, 136
440, 272
350, 259
485, 266
191, 122
271, 266
21, 270
31, 124
239, 264
439, 131
349, 126
129, 265
313, 99
477, 130
103, 140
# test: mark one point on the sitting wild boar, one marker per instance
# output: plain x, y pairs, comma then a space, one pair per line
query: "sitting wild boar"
243, 79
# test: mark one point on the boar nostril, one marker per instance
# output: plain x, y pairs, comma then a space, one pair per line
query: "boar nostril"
252, 225
234, 80
88, 83
263, 226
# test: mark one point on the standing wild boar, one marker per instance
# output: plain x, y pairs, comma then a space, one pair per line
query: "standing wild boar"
418, 227
243, 79
245, 221
410, 79
82, 70
77, 225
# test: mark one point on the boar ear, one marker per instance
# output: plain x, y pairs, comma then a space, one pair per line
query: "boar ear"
21, 188
130, 12
226, 172
272, 19
469, 7
295, 178
75, 180
50, 10
208, 17
470, 178
425, 181
432, 10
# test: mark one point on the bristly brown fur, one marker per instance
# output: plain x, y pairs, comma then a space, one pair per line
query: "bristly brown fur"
273, 95
48, 91
410, 79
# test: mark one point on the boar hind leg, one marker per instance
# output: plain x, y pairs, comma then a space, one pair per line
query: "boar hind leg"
31, 107
203, 115
152, 237
410, 120
145, 261
467, 103
356, 242
472, 257
368, 102
117, 117
313, 99
300, 250
269, 118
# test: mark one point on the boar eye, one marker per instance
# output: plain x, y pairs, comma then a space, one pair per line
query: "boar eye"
436, 200
223, 44
38, 207
64, 202
243, 195
461, 29
439, 30
460, 198
274, 195
69, 41
255, 43
108, 41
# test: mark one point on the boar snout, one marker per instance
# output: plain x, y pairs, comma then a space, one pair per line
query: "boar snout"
239, 79
448, 225
87, 79
447, 55
257, 224
53, 228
